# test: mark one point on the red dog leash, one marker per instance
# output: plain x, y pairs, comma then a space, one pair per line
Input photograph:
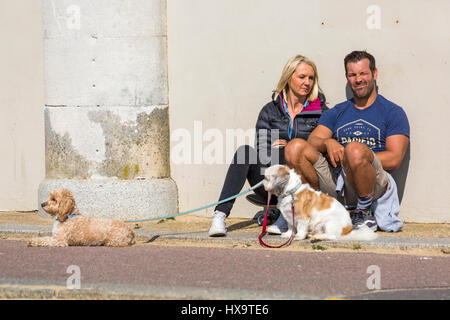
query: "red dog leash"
263, 232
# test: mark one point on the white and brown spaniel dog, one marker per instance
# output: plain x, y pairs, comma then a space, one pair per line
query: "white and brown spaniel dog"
317, 215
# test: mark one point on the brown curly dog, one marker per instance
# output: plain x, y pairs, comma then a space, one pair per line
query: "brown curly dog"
74, 229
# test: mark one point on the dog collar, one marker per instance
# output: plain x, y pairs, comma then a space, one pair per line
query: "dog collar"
292, 191
70, 216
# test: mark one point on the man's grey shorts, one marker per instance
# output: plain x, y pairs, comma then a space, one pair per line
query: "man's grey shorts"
328, 178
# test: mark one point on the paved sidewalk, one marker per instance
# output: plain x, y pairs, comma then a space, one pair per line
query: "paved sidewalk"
187, 235
192, 229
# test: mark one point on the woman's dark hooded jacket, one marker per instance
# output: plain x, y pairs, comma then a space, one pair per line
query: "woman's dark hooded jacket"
273, 124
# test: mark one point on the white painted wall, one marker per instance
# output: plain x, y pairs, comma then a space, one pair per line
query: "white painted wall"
21, 104
225, 58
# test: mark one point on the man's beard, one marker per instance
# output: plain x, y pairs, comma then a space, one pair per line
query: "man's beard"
365, 93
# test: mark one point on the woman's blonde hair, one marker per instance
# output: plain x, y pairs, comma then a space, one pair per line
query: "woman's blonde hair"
288, 71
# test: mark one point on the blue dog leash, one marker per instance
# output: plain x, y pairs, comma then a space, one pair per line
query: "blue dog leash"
201, 208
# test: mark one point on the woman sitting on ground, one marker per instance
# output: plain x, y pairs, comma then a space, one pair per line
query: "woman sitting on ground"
296, 106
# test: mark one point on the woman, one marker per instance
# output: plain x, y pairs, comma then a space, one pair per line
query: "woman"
294, 111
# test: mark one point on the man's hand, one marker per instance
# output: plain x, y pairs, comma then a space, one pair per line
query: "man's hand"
335, 152
321, 139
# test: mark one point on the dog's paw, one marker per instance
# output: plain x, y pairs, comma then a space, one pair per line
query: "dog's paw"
286, 234
33, 243
300, 237
40, 242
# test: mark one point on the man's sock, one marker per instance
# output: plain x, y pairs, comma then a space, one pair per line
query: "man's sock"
365, 202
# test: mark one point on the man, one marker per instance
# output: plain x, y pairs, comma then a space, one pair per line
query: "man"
365, 136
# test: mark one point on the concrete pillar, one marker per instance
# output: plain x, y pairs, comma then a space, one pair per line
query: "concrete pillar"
106, 113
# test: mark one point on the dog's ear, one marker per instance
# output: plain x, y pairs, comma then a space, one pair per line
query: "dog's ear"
280, 184
65, 205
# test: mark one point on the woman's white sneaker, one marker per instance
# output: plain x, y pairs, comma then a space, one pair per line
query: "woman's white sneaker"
218, 227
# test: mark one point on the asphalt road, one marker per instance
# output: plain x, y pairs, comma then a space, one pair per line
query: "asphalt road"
240, 273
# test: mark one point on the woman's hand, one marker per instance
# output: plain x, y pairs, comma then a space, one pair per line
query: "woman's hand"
335, 152
280, 143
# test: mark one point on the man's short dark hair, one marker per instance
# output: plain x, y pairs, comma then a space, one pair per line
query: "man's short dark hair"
356, 56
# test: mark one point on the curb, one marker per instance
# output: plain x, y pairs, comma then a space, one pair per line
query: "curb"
31, 289
251, 237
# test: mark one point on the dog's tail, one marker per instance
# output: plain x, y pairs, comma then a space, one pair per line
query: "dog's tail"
364, 233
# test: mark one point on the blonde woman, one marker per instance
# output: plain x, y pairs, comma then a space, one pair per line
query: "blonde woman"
294, 111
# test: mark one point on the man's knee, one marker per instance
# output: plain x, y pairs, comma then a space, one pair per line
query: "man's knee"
357, 153
294, 149
298, 150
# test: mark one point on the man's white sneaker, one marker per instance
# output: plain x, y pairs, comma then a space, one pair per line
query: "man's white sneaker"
278, 227
218, 227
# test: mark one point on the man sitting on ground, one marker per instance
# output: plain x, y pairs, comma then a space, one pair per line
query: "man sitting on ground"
361, 140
